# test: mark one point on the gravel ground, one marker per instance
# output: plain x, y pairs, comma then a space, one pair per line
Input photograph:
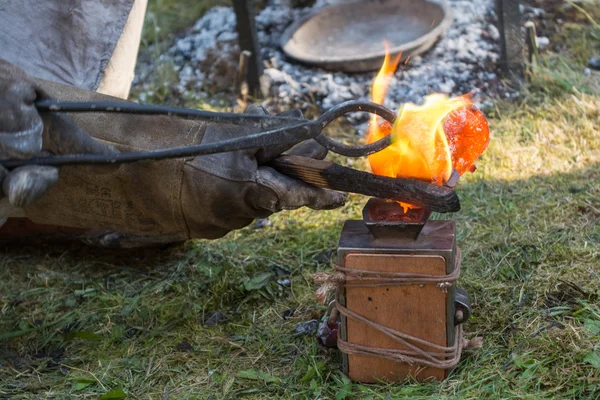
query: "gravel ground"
205, 61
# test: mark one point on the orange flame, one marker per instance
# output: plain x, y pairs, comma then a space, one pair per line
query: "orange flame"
430, 140
382, 80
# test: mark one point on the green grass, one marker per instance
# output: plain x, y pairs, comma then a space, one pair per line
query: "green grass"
77, 323
165, 18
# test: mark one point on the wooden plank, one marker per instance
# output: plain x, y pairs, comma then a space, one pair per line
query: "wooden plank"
511, 40
248, 40
415, 310
326, 174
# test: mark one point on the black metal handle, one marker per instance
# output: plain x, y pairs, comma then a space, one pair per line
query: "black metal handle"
299, 131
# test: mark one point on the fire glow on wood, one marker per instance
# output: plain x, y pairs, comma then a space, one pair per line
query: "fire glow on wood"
430, 140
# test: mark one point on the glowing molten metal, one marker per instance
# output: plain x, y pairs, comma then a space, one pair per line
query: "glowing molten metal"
430, 140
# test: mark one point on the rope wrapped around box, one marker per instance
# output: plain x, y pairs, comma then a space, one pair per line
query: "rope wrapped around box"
418, 352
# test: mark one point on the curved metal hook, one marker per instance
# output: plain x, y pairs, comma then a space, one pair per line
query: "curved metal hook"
355, 150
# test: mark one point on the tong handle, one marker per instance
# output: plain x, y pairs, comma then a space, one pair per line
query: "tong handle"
328, 175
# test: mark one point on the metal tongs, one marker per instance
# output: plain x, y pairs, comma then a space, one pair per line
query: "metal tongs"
319, 173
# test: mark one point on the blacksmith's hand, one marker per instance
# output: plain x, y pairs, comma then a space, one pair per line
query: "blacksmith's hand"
174, 199
227, 191
24, 133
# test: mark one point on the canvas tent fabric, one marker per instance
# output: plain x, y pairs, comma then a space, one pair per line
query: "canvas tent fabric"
66, 41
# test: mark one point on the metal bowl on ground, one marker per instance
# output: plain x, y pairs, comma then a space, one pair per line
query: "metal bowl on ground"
350, 36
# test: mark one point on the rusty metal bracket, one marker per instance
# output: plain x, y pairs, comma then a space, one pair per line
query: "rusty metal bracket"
462, 305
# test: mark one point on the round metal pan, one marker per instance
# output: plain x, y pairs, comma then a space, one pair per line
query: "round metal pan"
350, 36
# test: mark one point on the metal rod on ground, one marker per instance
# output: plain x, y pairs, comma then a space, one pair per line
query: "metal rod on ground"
532, 42
248, 40
511, 42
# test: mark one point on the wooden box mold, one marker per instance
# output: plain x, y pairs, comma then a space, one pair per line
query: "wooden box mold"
422, 311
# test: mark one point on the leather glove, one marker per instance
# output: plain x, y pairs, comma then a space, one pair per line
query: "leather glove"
177, 199
232, 189
24, 133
